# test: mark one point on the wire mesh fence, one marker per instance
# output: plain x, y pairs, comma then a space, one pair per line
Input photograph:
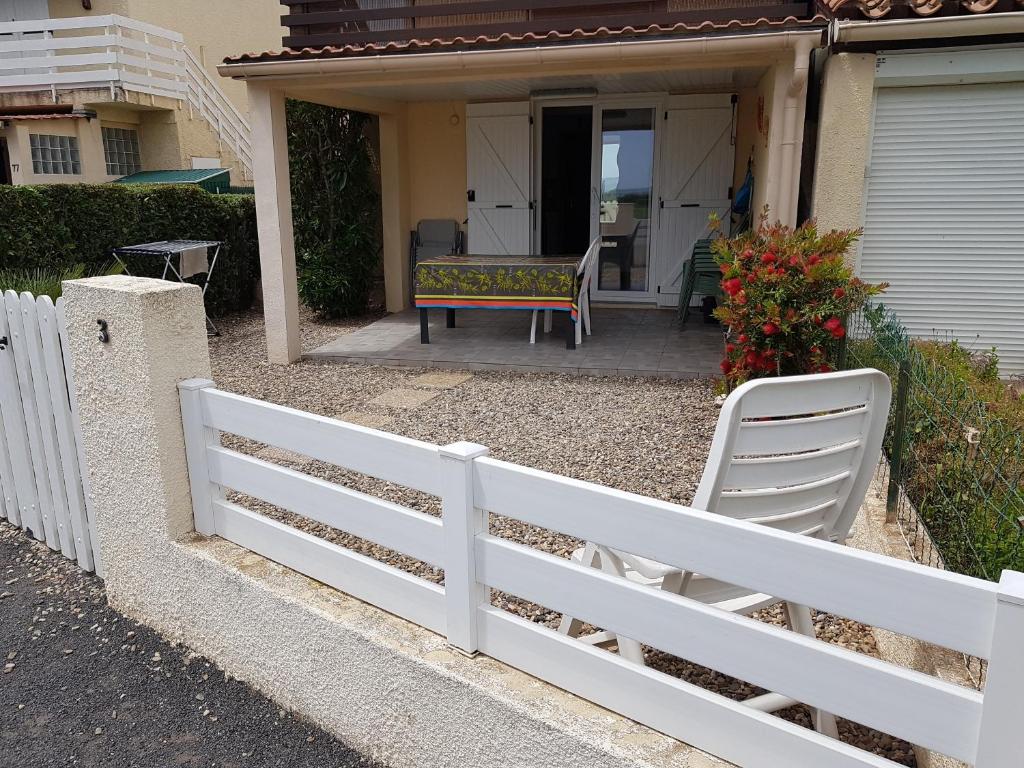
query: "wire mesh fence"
953, 448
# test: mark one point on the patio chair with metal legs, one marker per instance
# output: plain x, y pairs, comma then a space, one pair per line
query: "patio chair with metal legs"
794, 453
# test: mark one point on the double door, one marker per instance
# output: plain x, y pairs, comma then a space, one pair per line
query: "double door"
643, 173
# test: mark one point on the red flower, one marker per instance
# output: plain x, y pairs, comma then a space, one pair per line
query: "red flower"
839, 332
727, 367
770, 329
742, 338
741, 297
833, 323
769, 258
824, 368
732, 286
730, 348
794, 261
813, 259
838, 293
747, 253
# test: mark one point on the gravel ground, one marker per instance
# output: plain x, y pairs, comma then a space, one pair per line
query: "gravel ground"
640, 435
82, 685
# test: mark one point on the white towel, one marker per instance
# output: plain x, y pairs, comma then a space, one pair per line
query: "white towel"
194, 261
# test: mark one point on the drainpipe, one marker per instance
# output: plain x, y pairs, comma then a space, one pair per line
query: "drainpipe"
793, 133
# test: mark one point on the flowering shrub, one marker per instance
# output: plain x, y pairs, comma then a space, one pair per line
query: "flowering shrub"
785, 294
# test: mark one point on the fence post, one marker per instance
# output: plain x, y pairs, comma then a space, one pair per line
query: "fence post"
898, 442
1002, 709
199, 437
462, 522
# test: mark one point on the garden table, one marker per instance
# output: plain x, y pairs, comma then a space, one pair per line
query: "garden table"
467, 281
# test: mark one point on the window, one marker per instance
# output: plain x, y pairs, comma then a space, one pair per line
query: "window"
55, 154
121, 150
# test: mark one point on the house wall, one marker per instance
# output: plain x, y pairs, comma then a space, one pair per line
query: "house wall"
764, 118
90, 147
843, 140
436, 134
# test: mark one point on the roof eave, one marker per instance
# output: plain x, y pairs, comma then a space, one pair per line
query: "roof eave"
539, 54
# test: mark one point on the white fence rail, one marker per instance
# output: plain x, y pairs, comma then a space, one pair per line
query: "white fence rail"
41, 475
954, 611
112, 51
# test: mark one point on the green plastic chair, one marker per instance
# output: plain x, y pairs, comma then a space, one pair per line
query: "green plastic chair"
701, 275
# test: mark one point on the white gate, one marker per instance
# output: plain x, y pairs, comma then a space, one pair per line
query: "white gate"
41, 477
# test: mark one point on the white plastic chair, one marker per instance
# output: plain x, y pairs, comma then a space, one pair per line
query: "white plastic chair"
794, 453
585, 273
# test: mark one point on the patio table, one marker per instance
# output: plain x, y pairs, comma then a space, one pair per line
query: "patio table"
467, 281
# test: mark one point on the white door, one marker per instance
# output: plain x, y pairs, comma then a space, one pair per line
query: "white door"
944, 213
498, 171
697, 156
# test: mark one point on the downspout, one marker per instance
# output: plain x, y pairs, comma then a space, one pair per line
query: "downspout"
793, 132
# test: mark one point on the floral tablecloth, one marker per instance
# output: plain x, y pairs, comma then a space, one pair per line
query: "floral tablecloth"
498, 282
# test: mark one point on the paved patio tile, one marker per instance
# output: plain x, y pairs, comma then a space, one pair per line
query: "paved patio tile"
401, 397
366, 419
441, 380
633, 340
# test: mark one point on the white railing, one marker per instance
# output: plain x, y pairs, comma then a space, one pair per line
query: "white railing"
41, 475
112, 52
953, 611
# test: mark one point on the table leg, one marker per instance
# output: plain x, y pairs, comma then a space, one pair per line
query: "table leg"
449, 318
570, 340
424, 327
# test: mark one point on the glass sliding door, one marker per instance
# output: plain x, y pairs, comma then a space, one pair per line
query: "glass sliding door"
626, 164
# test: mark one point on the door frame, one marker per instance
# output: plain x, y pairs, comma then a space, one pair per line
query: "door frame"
657, 102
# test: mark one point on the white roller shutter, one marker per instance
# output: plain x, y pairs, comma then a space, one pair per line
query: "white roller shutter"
944, 213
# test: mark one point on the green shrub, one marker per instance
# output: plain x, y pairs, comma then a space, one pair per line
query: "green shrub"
54, 228
963, 451
335, 208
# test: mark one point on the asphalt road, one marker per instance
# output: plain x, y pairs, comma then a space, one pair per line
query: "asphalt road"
81, 685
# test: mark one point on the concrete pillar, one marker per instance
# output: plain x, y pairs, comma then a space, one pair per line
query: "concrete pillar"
394, 183
127, 397
847, 101
274, 219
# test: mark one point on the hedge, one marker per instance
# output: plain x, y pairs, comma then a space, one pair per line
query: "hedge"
57, 227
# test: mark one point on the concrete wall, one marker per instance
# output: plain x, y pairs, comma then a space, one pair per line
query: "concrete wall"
90, 147
387, 687
843, 140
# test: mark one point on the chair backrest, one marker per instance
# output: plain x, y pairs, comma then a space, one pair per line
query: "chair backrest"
588, 264
436, 237
797, 453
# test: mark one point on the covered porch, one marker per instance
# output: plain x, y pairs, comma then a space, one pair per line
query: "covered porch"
463, 132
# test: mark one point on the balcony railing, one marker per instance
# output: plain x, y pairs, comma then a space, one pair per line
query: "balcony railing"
114, 52
318, 23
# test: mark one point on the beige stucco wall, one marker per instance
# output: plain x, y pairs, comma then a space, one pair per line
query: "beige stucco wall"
436, 134
843, 140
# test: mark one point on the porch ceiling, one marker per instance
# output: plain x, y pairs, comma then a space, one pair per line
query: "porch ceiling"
663, 81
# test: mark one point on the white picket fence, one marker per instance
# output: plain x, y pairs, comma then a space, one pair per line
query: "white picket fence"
41, 475
969, 615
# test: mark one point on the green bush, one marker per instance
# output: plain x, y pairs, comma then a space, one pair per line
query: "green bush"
335, 208
963, 449
55, 228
